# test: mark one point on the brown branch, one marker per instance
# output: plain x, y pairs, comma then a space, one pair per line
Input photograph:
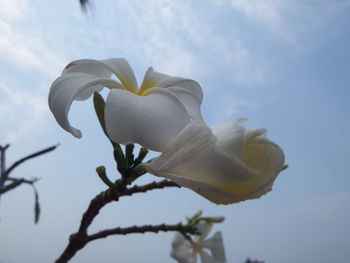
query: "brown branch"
78, 240
3, 164
30, 156
15, 183
141, 230
148, 187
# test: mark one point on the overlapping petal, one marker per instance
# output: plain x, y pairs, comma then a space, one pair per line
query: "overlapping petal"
155, 114
188, 91
207, 164
152, 121
181, 250
105, 69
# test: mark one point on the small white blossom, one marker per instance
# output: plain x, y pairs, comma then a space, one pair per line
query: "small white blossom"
209, 250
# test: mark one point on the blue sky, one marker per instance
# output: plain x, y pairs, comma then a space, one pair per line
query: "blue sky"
284, 65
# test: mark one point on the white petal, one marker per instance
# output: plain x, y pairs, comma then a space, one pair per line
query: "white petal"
230, 137
193, 155
263, 156
183, 255
152, 79
205, 257
191, 103
66, 89
204, 228
179, 240
104, 69
266, 157
152, 121
216, 245
188, 91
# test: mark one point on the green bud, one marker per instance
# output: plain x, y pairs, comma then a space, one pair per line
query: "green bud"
142, 154
129, 157
101, 171
119, 158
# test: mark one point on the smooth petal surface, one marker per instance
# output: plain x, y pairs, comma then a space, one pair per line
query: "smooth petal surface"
152, 121
188, 91
104, 69
179, 240
216, 246
230, 137
67, 88
182, 249
202, 162
205, 257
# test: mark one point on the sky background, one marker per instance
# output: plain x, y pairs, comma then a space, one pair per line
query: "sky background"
284, 65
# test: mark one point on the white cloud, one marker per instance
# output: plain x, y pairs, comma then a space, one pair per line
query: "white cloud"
12, 10
23, 48
267, 14
294, 22
27, 62
174, 38
21, 113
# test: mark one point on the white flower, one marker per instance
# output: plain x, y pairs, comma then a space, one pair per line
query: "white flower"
185, 251
225, 164
151, 115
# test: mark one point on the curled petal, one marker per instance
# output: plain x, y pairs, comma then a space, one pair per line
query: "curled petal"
104, 69
152, 79
189, 100
266, 157
152, 121
188, 91
67, 88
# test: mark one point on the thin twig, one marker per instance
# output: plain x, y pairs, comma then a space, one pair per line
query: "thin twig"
15, 183
32, 181
30, 156
142, 229
148, 187
3, 163
6, 188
